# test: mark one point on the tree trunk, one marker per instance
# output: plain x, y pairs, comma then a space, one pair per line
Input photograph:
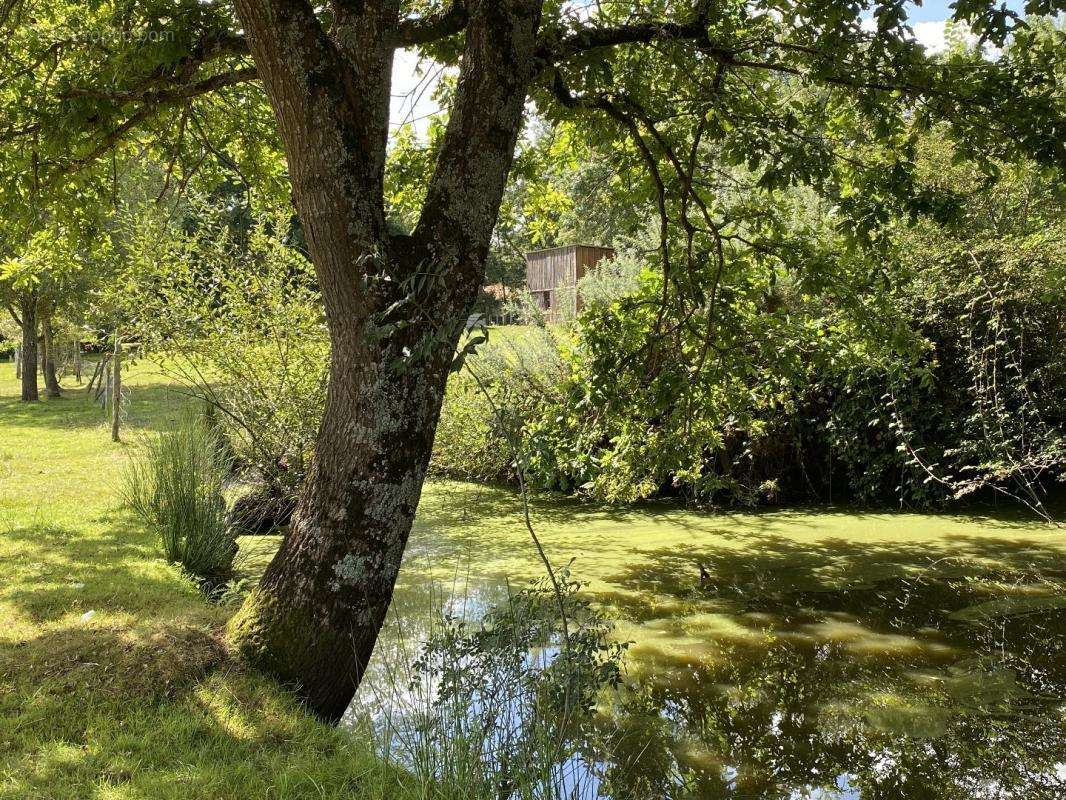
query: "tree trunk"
18, 363
395, 307
28, 310
48, 359
77, 362
97, 375
316, 615
116, 391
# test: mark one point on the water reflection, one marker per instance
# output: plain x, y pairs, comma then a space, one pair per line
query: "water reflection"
775, 676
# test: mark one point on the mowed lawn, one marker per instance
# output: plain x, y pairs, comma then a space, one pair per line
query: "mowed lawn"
113, 680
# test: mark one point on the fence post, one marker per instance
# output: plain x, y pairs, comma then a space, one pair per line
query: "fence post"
116, 390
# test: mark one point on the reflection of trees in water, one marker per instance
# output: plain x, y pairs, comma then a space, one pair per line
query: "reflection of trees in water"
795, 721
791, 714
944, 679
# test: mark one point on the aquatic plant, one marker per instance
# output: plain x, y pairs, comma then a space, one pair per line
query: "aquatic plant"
501, 708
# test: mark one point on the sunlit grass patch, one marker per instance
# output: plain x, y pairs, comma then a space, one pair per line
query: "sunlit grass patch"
114, 683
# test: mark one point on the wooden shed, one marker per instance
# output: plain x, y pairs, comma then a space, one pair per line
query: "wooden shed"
552, 276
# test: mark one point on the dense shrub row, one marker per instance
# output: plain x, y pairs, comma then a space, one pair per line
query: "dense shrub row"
946, 382
925, 368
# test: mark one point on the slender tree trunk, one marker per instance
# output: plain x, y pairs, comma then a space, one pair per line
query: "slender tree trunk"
98, 372
28, 310
116, 390
395, 308
104, 386
18, 363
48, 359
77, 362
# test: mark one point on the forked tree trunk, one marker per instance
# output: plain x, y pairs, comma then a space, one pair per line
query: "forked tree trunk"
28, 311
48, 360
394, 304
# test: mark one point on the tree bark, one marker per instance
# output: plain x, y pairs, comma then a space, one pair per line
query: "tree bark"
48, 359
97, 375
18, 363
395, 308
28, 310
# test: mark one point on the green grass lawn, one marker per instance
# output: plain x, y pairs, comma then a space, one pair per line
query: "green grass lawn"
113, 681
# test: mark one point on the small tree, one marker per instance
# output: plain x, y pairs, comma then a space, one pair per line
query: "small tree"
233, 316
48, 280
21, 303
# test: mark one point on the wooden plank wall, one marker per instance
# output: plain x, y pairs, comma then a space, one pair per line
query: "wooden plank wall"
552, 275
547, 269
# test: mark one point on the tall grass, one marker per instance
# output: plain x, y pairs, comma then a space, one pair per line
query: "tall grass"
176, 484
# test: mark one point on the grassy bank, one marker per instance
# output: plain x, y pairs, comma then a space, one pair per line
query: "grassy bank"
113, 683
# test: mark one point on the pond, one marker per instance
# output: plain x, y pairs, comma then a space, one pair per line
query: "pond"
791, 654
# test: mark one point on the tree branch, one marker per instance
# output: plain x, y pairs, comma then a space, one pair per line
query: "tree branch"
152, 101
151, 96
583, 40
110, 140
171, 84
6, 7
10, 134
423, 30
587, 39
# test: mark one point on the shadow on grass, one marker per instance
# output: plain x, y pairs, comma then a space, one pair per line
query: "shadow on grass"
105, 664
119, 570
159, 711
141, 699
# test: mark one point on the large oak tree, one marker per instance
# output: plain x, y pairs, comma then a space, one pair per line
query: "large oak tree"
794, 90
